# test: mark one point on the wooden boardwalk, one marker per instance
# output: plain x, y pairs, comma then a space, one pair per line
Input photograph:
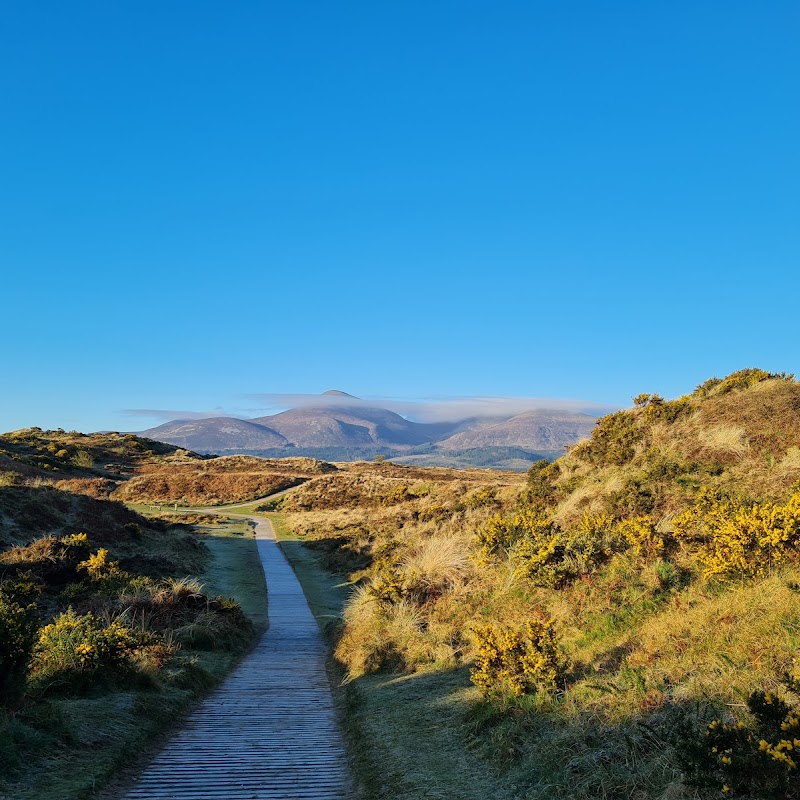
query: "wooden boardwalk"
270, 730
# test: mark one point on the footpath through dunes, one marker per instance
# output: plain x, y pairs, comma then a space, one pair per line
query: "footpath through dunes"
270, 731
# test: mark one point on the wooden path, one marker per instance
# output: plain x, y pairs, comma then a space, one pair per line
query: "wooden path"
270, 730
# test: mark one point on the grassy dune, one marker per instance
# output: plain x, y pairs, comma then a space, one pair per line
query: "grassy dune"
663, 553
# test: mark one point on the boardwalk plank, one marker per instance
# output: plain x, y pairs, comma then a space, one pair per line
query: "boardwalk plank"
270, 731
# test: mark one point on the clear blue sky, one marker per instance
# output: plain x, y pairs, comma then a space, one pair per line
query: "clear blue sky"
204, 201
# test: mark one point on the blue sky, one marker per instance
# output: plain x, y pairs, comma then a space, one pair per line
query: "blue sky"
206, 202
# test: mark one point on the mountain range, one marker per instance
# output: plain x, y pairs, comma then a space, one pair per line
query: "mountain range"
342, 428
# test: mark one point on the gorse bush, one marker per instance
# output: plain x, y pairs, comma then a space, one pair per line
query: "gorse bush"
759, 758
742, 379
83, 459
541, 491
502, 534
657, 409
79, 540
100, 569
640, 533
487, 496
516, 661
737, 537
75, 648
613, 440
402, 492
549, 556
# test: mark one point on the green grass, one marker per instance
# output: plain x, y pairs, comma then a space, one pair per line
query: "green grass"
409, 738
250, 508
235, 571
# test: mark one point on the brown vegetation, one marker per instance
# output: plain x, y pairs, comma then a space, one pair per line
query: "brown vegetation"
201, 488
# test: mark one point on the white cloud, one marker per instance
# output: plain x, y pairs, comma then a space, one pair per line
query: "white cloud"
443, 409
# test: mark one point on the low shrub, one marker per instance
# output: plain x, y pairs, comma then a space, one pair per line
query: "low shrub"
502, 534
19, 623
742, 379
757, 758
100, 569
486, 496
736, 537
640, 533
613, 440
516, 661
541, 484
545, 554
75, 650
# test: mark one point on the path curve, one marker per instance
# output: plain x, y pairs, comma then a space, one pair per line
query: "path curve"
269, 732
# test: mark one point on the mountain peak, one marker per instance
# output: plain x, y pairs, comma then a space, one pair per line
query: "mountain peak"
337, 393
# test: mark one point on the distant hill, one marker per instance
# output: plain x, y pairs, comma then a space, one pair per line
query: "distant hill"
216, 434
33, 452
531, 430
353, 431
353, 426
507, 459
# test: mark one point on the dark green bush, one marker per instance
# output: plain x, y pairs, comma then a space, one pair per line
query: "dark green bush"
541, 484
613, 440
19, 623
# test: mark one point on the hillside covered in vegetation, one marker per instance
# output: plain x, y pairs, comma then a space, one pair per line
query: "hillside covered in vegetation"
624, 622
107, 631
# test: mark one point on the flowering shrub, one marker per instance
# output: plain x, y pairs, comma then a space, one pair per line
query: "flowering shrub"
397, 494
640, 533
735, 537
545, 554
74, 647
75, 540
756, 760
742, 379
100, 568
502, 534
516, 661
486, 496
613, 440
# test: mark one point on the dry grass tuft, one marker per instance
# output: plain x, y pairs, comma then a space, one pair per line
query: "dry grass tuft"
437, 565
724, 441
379, 637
